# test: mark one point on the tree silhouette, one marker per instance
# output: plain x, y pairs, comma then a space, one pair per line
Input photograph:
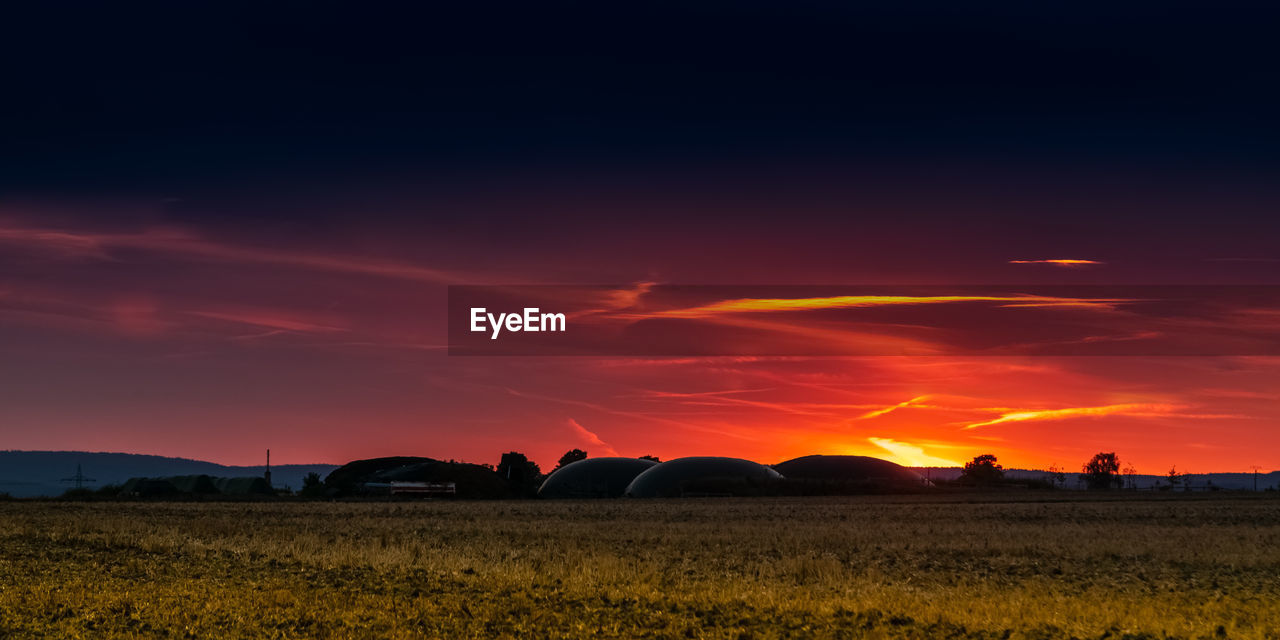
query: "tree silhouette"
312, 485
571, 456
1102, 471
1057, 476
520, 472
1131, 477
983, 470
653, 458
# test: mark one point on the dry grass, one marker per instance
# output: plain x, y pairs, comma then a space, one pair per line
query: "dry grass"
910, 567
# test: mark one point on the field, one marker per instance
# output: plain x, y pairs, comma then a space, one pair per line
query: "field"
1014, 566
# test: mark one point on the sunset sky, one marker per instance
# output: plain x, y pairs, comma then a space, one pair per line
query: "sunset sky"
230, 229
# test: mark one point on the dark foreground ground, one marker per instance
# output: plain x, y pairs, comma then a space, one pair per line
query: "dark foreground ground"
1008, 566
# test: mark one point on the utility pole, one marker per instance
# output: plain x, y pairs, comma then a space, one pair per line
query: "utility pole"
1255, 476
79, 478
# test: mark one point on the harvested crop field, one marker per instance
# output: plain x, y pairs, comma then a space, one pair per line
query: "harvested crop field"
1004, 566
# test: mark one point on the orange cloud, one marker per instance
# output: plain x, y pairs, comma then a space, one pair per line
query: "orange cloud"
1060, 262
751, 305
720, 399
590, 438
626, 298
617, 300
891, 408
841, 340
1075, 412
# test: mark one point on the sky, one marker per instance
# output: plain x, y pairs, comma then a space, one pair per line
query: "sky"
228, 227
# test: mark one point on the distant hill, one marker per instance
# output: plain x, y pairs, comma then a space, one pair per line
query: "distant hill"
38, 473
1240, 481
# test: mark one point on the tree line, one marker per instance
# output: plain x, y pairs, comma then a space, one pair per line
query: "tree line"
1102, 472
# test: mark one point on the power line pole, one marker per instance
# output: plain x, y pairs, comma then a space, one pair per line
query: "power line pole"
1255, 476
79, 478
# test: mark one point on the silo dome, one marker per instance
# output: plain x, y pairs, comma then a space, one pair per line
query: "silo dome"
593, 478
850, 470
703, 476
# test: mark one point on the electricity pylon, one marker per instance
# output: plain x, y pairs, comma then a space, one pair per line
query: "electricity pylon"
79, 478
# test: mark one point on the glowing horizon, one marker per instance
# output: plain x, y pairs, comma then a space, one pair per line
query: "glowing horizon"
197, 343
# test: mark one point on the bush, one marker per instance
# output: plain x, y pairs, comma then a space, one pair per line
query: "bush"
312, 486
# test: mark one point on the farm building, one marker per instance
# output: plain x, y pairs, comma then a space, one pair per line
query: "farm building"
704, 476
594, 478
377, 476
848, 474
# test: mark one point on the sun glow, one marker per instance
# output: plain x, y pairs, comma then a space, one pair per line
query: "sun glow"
910, 455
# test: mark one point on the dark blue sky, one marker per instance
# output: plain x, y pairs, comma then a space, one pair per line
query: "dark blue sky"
144, 97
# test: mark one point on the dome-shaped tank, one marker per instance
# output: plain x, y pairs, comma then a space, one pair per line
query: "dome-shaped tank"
703, 476
593, 478
850, 470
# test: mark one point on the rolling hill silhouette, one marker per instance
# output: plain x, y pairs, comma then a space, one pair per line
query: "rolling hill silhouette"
39, 473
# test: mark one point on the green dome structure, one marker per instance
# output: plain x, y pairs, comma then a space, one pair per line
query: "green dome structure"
593, 478
704, 476
850, 472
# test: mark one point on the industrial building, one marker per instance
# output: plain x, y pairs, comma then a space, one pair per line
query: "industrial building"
415, 476
704, 476
847, 474
594, 478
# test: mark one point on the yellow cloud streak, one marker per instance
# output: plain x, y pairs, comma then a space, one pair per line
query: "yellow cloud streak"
1062, 262
890, 408
1076, 412
750, 305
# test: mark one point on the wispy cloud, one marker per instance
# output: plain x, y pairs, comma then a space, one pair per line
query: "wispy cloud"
635, 415
178, 243
1240, 394
1060, 262
267, 320
700, 394
1129, 409
891, 408
627, 298
724, 398
757, 305
617, 300
130, 315
591, 439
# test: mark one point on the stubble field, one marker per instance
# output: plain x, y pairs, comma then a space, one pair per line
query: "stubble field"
873, 567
